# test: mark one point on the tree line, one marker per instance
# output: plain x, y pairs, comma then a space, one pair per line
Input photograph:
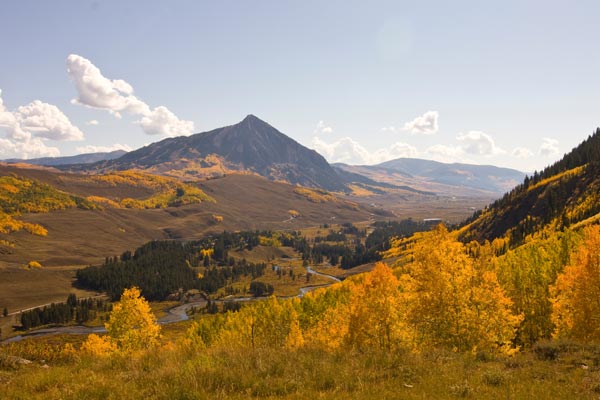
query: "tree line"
72, 310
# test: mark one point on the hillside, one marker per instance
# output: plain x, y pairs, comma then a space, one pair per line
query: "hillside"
250, 146
125, 209
562, 195
86, 158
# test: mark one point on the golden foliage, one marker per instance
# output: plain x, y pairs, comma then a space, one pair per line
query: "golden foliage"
98, 346
452, 303
103, 201
554, 178
376, 312
131, 327
576, 293
526, 273
270, 323
315, 195
272, 240
33, 264
22, 195
207, 252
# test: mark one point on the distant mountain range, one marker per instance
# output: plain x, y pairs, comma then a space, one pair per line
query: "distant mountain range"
440, 177
253, 146
86, 158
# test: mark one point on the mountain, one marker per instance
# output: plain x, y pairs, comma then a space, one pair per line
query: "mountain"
251, 146
564, 194
440, 177
87, 158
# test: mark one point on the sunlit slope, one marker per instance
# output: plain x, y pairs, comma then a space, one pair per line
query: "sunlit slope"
562, 195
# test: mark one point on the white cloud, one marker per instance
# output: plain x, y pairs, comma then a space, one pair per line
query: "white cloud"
29, 126
521, 152
444, 153
426, 124
322, 128
390, 128
92, 122
102, 149
116, 96
549, 147
96, 91
30, 148
349, 151
479, 143
47, 121
161, 121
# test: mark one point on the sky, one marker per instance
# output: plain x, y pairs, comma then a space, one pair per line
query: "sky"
510, 83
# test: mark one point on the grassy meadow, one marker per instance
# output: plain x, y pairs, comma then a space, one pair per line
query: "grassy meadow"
548, 371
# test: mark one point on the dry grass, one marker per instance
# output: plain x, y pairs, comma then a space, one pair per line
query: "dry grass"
226, 373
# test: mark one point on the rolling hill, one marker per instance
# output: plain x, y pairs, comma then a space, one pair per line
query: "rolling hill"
564, 194
122, 210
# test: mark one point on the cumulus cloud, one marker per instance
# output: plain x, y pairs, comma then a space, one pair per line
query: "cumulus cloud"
549, 147
103, 149
426, 124
322, 128
30, 148
92, 122
348, 150
521, 152
96, 91
116, 96
47, 121
161, 121
479, 143
27, 128
445, 153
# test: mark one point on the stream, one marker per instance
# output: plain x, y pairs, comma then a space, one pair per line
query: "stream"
174, 314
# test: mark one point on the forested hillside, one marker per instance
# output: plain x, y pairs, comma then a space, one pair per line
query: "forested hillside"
563, 194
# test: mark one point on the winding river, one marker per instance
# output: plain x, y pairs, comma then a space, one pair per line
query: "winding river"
174, 314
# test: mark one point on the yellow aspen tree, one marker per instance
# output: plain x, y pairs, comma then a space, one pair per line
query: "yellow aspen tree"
452, 303
376, 312
576, 293
132, 326
324, 316
330, 331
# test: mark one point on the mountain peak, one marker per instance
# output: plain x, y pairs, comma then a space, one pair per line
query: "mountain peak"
251, 117
253, 120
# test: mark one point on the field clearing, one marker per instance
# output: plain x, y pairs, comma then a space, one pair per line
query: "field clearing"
286, 259
21, 289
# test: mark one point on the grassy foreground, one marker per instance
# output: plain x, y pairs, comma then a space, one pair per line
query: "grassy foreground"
549, 371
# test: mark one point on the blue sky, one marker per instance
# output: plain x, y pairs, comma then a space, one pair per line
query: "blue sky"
510, 83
